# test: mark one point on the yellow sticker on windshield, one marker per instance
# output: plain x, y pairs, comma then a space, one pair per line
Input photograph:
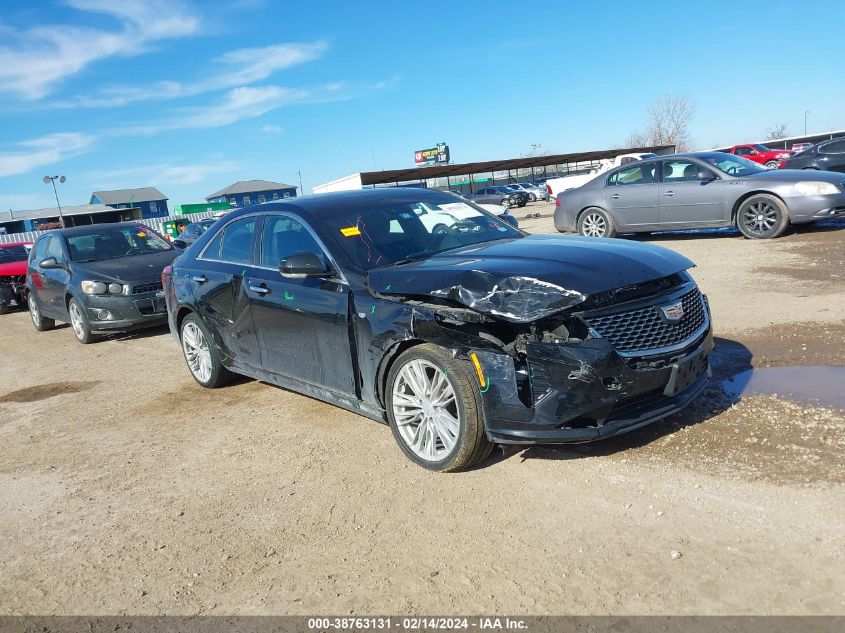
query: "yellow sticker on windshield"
141, 234
350, 231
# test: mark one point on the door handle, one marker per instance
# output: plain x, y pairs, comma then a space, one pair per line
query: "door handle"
200, 279
669, 194
259, 289
615, 196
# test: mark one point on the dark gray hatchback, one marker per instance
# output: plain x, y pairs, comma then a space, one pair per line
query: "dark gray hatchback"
99, 278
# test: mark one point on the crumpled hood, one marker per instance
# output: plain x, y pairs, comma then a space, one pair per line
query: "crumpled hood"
526, 279
126, 269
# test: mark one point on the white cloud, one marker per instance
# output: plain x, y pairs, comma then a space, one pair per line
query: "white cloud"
240, 103
271, 129
44, 150
33, 60
232, 69
159, 174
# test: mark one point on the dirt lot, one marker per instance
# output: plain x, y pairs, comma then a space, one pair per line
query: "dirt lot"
127, 489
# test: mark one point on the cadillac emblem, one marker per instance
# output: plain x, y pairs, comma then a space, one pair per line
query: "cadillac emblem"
673, 313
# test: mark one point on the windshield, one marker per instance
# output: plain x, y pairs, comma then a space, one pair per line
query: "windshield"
730, 164
761, 148
398, 231
9, 254
111, 242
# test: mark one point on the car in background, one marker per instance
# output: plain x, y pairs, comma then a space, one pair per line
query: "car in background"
760, 154
99, 278
699, 190
191, 232
499, 195
496, 209
534, 192
797, 148
571, 181
827, 155
457, 341
13, 258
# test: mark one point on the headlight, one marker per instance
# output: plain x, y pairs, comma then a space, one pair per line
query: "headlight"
783, 155
814, 188
116, 289
94, 287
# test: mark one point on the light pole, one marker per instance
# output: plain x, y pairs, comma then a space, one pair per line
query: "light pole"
806, 112
52, 179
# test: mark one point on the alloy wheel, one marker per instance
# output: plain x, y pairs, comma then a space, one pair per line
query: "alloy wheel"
76, 321
760, 217
594, 225
34, 312
425, 410
197, 352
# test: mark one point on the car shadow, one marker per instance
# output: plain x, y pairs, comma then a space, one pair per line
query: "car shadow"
822, 226
132, 335
728, 360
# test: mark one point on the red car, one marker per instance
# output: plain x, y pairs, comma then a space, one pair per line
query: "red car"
13, 275
761, 154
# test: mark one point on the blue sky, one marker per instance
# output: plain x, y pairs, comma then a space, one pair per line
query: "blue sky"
192, 96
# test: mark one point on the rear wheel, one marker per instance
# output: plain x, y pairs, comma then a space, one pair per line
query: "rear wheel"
79, 323
40, 322
200, 354
772, 164
434, 410
506, 203
595, 222
762, 217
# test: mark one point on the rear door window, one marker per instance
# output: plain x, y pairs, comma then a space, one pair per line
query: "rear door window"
640, 174
834, 147
234, 243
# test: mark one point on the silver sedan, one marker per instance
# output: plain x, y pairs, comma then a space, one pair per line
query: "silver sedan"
700, 190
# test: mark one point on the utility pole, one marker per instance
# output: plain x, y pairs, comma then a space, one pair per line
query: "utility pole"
52, 179
806, 112
301, 192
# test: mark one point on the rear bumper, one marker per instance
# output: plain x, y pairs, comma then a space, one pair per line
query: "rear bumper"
586, 392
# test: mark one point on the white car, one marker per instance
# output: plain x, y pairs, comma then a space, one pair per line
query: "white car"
555, 186
534, 192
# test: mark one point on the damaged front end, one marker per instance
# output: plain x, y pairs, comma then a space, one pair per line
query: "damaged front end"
556, 365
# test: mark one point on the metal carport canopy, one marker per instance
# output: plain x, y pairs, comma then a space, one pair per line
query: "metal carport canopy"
440, 171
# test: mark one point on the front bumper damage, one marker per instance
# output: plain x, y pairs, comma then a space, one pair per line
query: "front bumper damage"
584, 392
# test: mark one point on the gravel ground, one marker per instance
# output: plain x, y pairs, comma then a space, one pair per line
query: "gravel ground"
127, 489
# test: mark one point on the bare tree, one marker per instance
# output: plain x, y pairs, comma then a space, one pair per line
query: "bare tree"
668, 123
776, 132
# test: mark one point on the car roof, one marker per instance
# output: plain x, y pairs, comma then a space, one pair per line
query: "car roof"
92, 228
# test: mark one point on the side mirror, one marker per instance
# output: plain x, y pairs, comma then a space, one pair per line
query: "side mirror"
49, 263
179, 244
303, 265
705, 175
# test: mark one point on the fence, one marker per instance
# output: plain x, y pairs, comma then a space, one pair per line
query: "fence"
154, 223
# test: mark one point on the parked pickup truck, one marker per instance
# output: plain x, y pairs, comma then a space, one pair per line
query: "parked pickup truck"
760, 154
558, 185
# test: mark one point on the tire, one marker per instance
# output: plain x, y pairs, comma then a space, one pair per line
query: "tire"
79, 323
506, 203
532, 197
4, 309
455, 440
762, 217
41, 323
440, 229
200, 354
595, 222
772, 164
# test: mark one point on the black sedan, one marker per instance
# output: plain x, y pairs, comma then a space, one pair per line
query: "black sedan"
99, 278
457, 339
827, 155
500, 195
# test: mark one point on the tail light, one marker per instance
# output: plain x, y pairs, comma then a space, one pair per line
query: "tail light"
548, 189
557, 202
167, 272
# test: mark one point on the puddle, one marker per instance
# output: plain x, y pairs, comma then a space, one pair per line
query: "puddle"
809, 384
49, 390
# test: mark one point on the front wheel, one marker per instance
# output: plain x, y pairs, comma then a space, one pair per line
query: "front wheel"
200, 355
762, 217
434, 410
506, 204
41, 323
596, 223
79, 323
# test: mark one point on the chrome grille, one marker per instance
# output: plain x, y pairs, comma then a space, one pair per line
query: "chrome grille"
644, 329
152, 286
